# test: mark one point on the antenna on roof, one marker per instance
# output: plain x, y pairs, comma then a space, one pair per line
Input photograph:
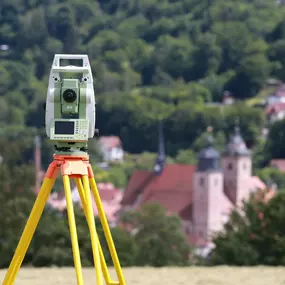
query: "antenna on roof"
161, 159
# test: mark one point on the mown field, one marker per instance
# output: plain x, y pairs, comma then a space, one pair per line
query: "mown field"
162, 276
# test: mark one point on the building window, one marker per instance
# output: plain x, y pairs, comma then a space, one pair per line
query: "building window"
216, 182
230, 166
201, 181
244, 166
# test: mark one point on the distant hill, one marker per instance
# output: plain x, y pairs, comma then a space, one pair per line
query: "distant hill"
148, 57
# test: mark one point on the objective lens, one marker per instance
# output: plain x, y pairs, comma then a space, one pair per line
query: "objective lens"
69, 95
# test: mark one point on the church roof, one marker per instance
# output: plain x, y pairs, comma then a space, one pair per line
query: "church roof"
209, 157
209, 151
236, 145
172, 189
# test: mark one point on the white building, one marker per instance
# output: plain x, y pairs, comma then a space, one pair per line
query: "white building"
111, 147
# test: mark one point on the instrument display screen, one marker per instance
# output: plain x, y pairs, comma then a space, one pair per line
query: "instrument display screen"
63, 128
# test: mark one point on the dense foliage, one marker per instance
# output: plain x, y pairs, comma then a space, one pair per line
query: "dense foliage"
254, 238
51, 243
150, 58
159, 236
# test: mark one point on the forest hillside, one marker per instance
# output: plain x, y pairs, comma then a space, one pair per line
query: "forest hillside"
151, 59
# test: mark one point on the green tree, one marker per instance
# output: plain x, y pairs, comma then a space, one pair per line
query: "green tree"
274, 146
124, 242
277, 55
259, 156
51, 244
251, 121
207, 56
159, 237
272, 175
16, 199
219, 141
255, 237
186, 156
117, 176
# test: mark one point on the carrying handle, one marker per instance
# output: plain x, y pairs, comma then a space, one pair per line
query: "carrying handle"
71, 56
58, 57
71, 69
57, 69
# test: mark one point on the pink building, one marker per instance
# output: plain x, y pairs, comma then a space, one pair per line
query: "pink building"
202, 195
221, 183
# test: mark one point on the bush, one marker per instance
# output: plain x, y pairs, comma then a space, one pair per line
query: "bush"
254, 238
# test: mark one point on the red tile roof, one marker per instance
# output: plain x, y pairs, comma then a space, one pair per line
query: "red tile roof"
136, 183
107, 191
172, 189
278, 163
275, 108
254, 182
173, 201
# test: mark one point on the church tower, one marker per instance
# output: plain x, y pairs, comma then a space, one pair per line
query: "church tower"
161, 159
207, 194
237, 167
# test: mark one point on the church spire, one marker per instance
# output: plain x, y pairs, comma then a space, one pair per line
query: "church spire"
209, 157
209, 139
237, 127
236, 145
160, 159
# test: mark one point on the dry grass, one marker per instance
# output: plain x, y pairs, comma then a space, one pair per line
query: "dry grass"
162, 276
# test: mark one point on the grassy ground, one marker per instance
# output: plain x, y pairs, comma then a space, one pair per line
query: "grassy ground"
163, 276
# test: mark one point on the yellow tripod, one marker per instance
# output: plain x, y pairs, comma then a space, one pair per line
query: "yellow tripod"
78, 168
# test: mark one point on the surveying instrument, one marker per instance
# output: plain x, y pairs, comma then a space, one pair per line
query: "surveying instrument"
70, 122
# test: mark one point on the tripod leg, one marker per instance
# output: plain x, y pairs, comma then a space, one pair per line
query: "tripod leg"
106, 273
28, 232
73, 231
107, 232
93, 233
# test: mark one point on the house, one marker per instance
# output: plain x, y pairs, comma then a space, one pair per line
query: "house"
110, 198
275, 112
203, 195
111, 147
272, 82
228, 98
278, 163
275, 104
278, 96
